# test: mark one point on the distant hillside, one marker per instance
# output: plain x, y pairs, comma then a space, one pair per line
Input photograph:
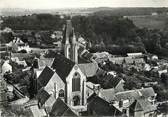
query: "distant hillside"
130, 11
76, 11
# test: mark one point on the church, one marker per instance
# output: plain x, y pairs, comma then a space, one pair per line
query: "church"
66, 78
62, 88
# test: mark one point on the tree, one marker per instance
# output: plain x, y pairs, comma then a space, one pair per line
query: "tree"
163, 108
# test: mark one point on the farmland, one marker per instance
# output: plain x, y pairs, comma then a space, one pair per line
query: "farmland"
149, 21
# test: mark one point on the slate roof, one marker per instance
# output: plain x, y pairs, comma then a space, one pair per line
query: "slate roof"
21, 56
62, 66
44, 77
142, 105
82, 60
87, 55
113, 80
42, 96
100, 107
89, 69
107, 94
61, 109
81, 49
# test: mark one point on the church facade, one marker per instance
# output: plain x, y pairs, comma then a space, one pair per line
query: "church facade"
65, 79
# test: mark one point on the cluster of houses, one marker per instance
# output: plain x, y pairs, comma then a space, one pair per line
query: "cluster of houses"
64, 85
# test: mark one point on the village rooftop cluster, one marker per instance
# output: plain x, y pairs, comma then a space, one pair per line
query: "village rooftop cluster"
67, 80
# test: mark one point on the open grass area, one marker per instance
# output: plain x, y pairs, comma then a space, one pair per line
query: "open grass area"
152, 22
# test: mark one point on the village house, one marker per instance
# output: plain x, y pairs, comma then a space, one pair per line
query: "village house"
17, 45
19, 62
92, 88
6, 67
123, 100
33, 109
142, 108
157, 72
60, 108
135, 55
101, 57
99, 107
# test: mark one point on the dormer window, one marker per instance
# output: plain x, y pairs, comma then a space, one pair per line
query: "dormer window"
76, 82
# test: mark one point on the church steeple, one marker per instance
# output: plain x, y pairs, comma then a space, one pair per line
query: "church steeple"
70, 43
74, 48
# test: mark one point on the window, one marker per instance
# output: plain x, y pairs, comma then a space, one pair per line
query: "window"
76, 100
61, 93
76, 82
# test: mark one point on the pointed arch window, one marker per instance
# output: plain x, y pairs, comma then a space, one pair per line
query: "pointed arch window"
61, 93
76, 82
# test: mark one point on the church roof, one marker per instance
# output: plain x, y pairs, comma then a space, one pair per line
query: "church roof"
61, 109
44, 77
62, 66
102, 107
89, 69
42, 96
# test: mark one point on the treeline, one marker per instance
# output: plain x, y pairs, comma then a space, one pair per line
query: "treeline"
34, 22
130, 11
110, 33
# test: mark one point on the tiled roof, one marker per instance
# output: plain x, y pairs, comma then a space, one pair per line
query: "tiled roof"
87, 55
45, 62
101, 107
37, 112
89, 69
82, 60
42, 96
142, 105
113, 80
80, 50
44, 77
62, 66
107, 94
135, 94
21, 55
61, 109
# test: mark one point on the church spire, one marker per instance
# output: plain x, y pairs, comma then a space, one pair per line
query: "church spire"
70, 43
74, 48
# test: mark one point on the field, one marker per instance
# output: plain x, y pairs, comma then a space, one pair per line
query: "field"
149, 21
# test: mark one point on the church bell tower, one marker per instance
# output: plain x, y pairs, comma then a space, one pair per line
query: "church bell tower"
70, 43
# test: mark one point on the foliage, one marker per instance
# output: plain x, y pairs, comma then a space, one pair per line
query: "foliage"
34, 22
163, 108
6, 37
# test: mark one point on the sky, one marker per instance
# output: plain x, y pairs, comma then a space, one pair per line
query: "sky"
53, 4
